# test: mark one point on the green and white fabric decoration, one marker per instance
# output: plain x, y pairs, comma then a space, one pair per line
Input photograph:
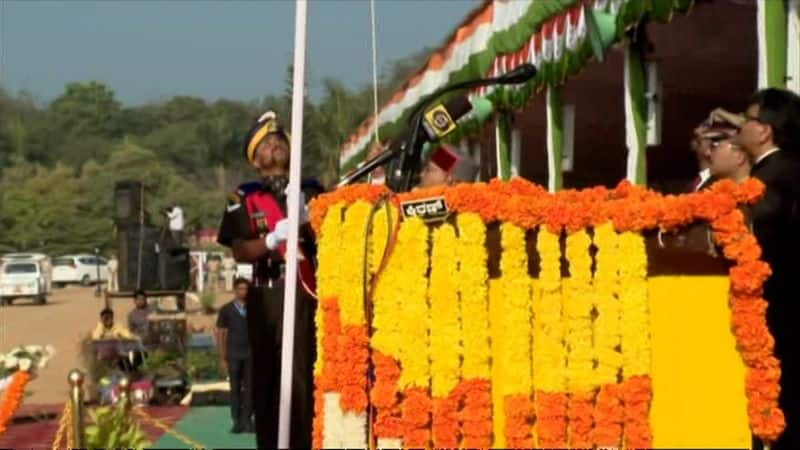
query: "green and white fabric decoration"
793, 47
635, 115
772, 43
555, 138
502, 138
558, 36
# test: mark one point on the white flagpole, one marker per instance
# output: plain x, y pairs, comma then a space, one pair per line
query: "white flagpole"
293, 207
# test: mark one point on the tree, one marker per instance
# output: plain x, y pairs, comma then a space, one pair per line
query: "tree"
87, 109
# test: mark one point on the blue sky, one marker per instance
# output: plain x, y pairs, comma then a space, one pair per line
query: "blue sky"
148, 50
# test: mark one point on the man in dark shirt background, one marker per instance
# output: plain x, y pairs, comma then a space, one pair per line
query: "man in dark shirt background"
234, 353
137, 318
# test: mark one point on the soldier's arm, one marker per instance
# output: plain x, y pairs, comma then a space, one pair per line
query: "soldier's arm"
249, 250
234, 232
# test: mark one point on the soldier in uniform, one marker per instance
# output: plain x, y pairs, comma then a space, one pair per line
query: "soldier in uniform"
254, 226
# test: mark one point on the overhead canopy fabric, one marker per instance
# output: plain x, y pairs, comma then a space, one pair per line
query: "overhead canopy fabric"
496, 37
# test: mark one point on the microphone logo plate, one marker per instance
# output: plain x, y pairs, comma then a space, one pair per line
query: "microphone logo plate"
440, 121
431, 209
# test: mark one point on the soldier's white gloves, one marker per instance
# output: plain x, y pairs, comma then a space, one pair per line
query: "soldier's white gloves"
278, 235
281, 231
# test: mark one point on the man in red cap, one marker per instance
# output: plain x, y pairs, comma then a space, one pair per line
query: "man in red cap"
446, 167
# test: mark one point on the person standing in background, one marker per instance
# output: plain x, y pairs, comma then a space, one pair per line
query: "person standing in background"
770, 134
175, 216
212, 266
228, 272
113, 268
234, 357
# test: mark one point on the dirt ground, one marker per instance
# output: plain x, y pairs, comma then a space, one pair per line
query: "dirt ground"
69, 315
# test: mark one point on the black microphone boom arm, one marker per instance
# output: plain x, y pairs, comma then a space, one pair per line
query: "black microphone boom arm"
406, 155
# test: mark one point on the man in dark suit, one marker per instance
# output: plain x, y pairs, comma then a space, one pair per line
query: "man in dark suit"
701, 147
770, 133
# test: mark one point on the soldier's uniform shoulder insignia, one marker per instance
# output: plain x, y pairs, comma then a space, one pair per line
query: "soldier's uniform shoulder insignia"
236, 197
246, 189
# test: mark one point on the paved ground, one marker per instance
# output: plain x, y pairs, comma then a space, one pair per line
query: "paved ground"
70, 314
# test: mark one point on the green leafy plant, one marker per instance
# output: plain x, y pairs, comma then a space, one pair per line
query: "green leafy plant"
202, 365
207, 300
114, 427
161, 362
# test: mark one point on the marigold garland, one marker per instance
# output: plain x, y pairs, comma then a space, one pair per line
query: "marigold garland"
384, 217
387, 337
516, 342
578, 307
353, 344
628, 209
608, 413
497, 328
328, 326
351, 275
445, 336
414, 379
635, 340
549, 355
476, 411
12, 397
327, 382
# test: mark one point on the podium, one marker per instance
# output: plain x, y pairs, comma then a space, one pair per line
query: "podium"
519, 318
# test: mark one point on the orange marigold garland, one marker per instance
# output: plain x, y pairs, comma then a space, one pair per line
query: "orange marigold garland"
353, 366
325, 426
630, 208
12, 397
748, 310
636, 395
476, 413
384, 396
416, 409
445, 421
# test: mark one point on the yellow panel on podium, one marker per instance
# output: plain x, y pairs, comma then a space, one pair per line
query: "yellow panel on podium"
698, 376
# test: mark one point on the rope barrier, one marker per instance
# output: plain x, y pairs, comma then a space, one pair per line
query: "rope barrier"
139, 412
64, 426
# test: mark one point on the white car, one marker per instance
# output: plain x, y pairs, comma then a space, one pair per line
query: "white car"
23, 279
83, 269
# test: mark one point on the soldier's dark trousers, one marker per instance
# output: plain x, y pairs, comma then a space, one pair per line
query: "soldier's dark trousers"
264, 323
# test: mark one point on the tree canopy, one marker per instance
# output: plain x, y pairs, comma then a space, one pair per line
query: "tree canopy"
59, 161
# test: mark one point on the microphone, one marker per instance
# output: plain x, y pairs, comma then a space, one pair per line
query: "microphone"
440, 120
435, 123
520, 74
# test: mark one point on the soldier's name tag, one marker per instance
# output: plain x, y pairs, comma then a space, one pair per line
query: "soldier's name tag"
431, 209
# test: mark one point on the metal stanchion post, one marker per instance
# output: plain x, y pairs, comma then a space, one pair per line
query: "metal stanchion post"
125, 393
75, 379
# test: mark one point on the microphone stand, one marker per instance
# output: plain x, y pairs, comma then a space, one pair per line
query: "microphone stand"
409, 150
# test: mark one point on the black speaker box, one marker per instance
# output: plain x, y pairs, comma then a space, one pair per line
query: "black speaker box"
127, 202
173, 268
130, 241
